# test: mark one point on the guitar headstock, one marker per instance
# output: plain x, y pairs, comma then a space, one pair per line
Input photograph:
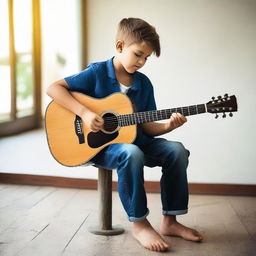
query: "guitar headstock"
222, 105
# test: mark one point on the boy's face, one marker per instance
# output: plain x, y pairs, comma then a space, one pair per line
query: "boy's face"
134, 56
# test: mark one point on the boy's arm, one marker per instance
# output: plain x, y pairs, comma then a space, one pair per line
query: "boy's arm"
156, 129
59, 92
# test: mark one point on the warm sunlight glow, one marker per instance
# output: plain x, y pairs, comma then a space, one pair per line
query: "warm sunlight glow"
22, 74
5, 84
23, 48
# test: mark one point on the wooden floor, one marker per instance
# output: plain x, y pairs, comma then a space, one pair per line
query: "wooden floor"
54, 221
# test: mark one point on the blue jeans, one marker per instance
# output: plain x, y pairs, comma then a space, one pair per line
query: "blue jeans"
129, 160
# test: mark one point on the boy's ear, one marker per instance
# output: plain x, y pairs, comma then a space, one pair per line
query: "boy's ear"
119, 45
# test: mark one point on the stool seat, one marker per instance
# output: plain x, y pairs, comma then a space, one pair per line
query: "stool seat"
105, 206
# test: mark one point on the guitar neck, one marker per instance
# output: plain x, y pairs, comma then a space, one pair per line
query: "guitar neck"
157, 115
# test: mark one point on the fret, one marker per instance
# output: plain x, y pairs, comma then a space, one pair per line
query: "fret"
168, 113
135, 118
141, 117
192, 110
153, 115
128, 120
196, 109
160, 114
186, 111
201, 108
188, 108
148, 116
124, 121
163, 114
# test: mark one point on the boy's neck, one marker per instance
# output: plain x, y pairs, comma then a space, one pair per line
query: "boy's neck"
122, 75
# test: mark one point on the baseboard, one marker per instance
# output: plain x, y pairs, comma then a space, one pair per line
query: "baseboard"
150, 186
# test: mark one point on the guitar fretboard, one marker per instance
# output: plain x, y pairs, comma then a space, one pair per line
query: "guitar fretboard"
157, 115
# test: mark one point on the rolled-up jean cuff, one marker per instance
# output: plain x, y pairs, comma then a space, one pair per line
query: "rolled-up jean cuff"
178, 212
135, 219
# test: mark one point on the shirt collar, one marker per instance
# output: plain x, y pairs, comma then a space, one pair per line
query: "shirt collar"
111, 74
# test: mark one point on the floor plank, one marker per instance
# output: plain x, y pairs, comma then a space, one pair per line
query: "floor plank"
14, 193
245, 208
34, 221
17, 208
64, 226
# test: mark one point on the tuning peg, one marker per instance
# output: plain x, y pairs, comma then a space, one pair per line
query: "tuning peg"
216, 116
230, 114
224, 115
225, 95
219, 97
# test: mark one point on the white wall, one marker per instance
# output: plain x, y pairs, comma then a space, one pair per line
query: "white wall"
208, 49
61, 41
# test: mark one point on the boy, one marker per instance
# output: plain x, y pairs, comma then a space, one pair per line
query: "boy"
136, 41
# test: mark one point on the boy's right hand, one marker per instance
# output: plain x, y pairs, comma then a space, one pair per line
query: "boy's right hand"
92, 120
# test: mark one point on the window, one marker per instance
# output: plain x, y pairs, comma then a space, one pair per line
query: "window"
20, 104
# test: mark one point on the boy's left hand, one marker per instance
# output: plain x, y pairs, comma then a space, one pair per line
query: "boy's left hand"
175, 121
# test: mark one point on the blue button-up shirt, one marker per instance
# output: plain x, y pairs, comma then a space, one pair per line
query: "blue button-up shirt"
98, 80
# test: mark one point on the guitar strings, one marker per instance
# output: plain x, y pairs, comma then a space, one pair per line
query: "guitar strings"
148, 116
112, 122
166, 113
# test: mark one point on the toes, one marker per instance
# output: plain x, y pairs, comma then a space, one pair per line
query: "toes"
200, 238
163, 246
153, 247
158, 247
166, 245
197, 235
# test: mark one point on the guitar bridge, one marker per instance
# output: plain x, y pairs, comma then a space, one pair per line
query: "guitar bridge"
78, 124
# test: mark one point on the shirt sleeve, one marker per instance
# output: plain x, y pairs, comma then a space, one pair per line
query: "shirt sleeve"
83, 81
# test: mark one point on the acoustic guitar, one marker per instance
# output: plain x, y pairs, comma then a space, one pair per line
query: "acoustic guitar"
72, 143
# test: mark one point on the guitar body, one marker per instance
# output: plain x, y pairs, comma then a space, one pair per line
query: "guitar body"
72, 143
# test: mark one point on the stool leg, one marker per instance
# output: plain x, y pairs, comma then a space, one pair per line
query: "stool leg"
105, 205
105, 198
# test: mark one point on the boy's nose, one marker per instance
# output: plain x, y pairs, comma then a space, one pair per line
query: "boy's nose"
141, 62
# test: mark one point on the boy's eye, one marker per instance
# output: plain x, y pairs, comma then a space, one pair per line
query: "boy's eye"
138, 55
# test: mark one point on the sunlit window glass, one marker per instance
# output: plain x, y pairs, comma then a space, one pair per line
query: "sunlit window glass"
5, 83
23, 49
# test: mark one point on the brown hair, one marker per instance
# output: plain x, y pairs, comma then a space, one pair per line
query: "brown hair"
135, 30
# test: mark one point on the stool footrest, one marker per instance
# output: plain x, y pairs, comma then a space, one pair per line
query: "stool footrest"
116, 230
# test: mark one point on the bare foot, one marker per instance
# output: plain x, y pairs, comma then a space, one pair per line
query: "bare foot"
170, 227
143, 232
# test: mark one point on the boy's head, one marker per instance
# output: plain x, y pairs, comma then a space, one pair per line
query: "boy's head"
135, 30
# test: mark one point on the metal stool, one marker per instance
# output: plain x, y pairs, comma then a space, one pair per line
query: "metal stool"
105, 227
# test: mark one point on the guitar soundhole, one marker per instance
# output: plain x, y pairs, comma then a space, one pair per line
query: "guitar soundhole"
110, 123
